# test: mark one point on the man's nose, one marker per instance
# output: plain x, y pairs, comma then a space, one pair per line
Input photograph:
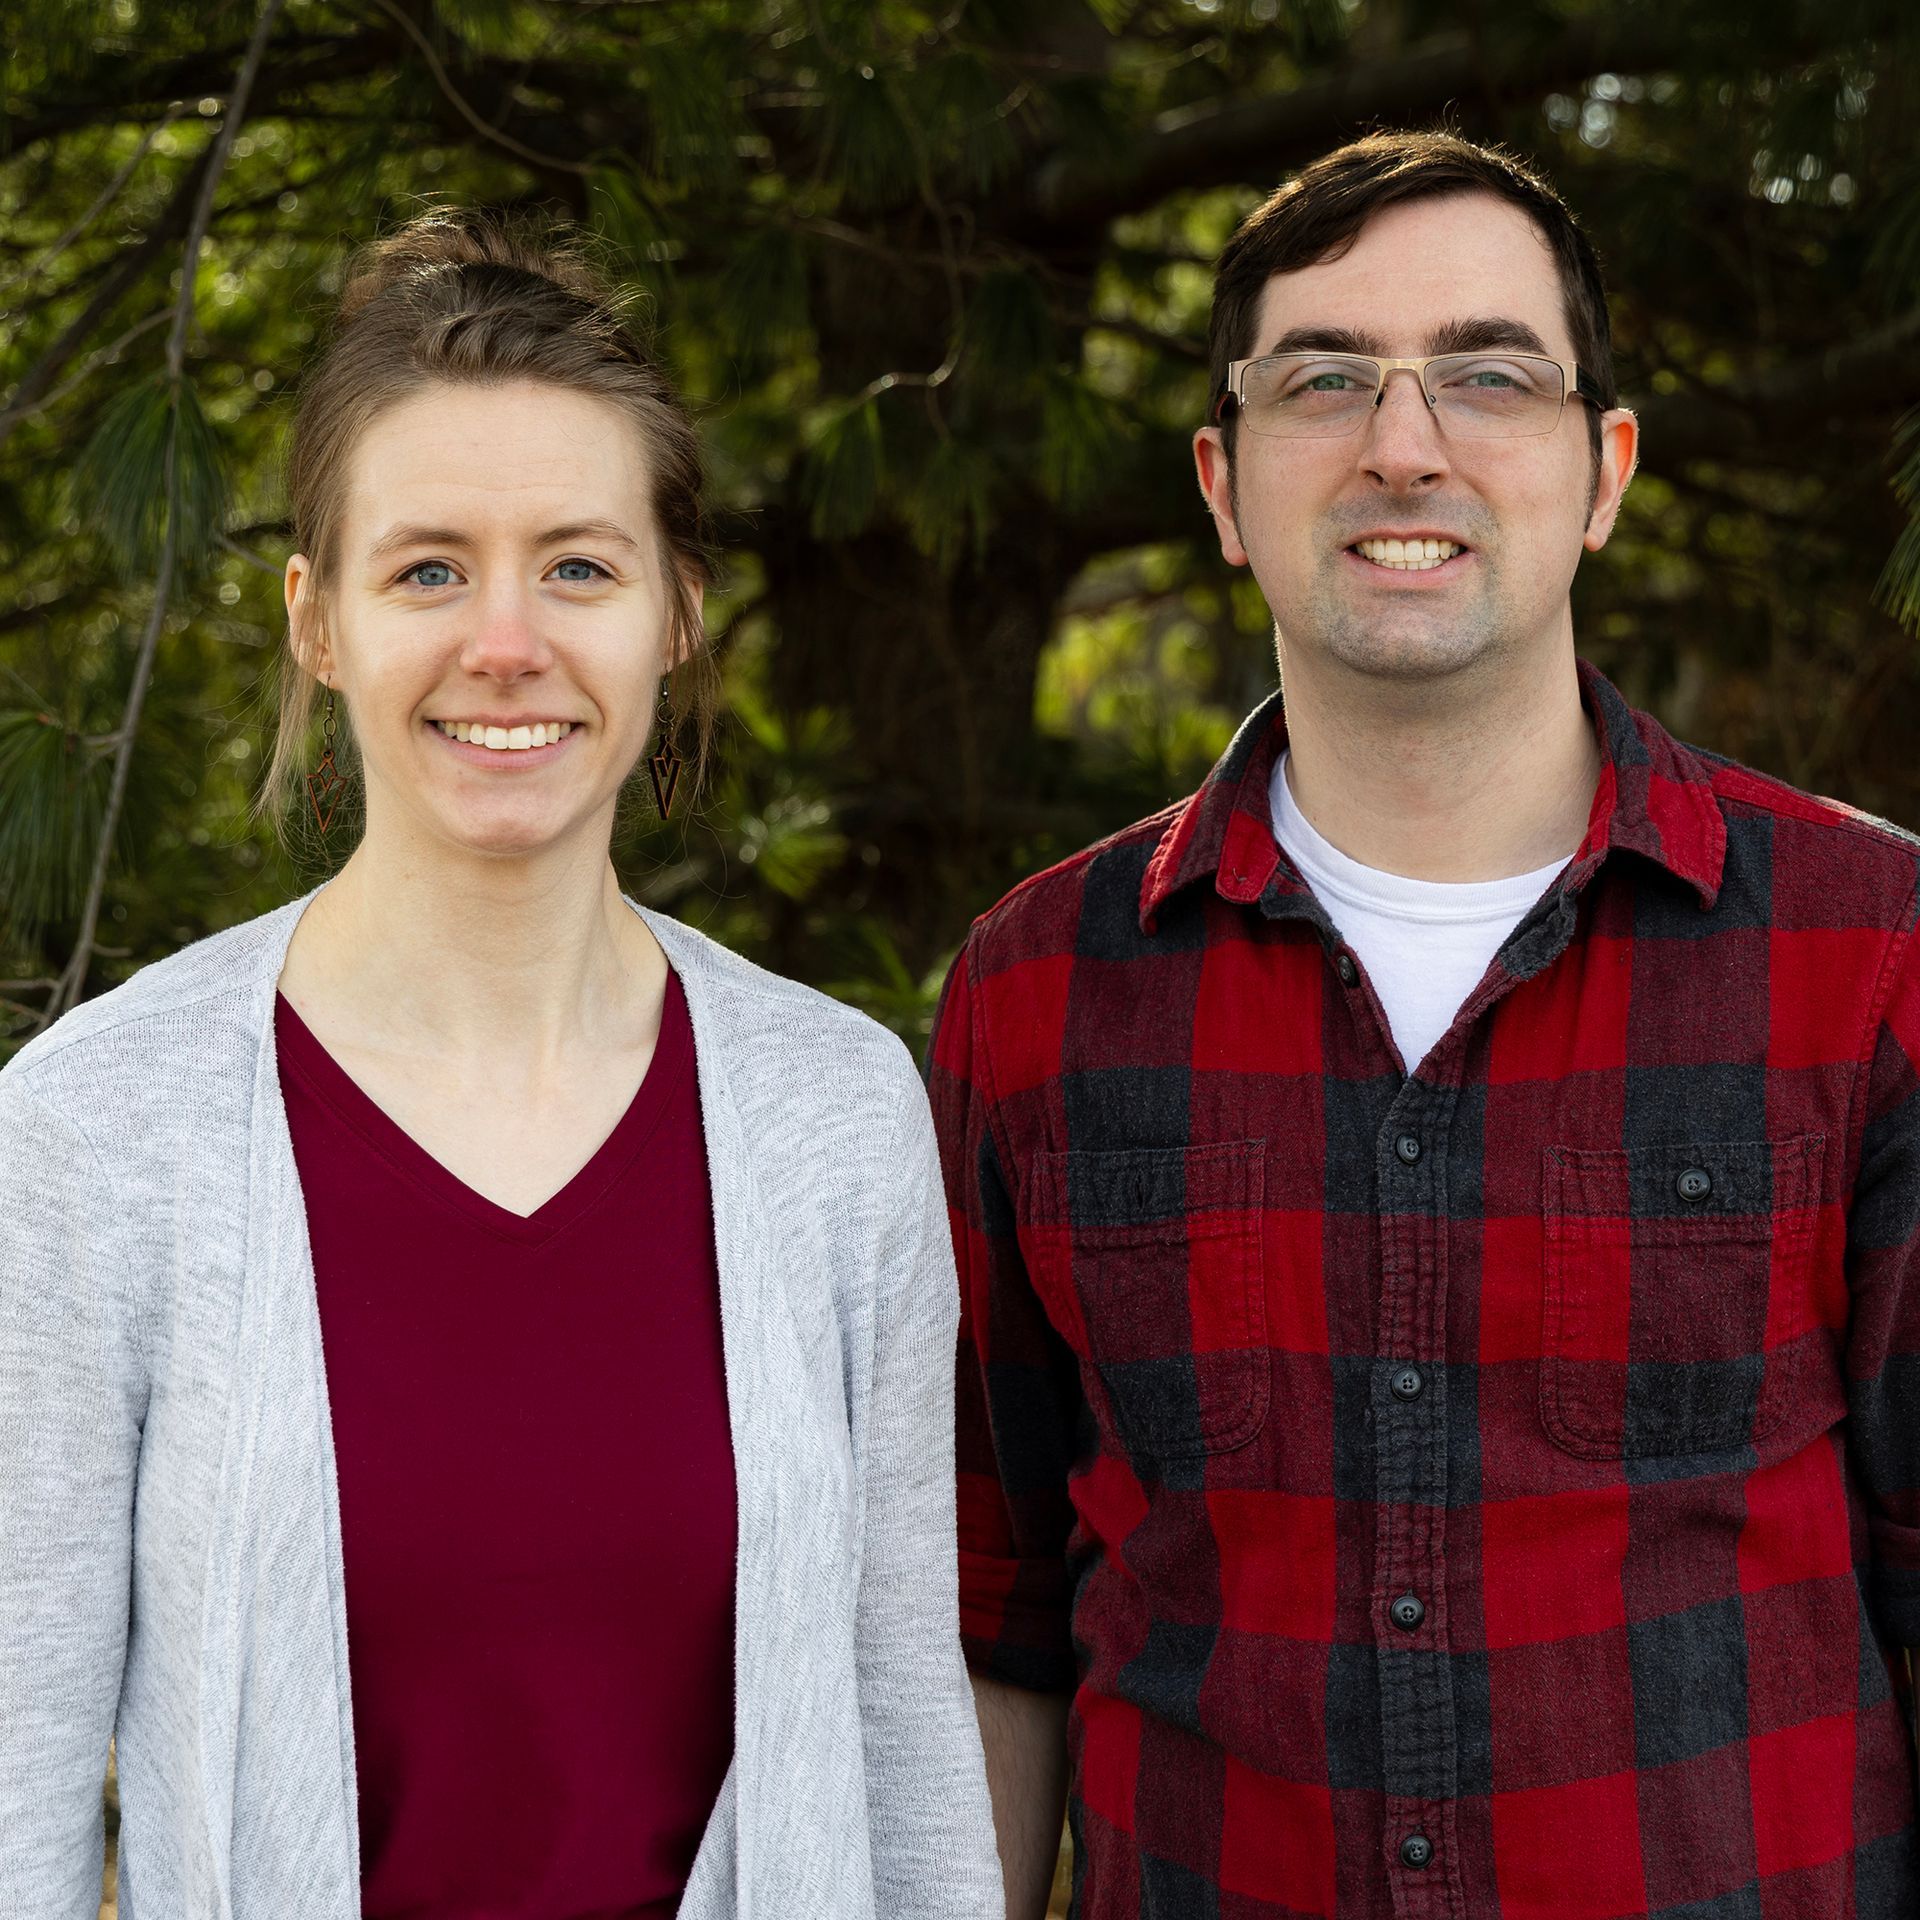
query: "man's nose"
1403, 447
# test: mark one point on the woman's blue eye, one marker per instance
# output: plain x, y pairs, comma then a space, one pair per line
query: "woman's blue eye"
594, 570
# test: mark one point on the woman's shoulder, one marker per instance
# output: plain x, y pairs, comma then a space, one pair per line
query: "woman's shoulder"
200, 1008
775, 1010
795, 1044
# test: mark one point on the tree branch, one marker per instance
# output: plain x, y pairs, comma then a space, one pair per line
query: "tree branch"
485, 129
73, 977
24, 276
1253, 140
1858, 384
38, 381
202, 74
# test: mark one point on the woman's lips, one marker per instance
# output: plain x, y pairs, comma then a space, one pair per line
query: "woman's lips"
505, 759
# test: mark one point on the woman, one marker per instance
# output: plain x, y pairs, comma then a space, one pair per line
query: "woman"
450, 1510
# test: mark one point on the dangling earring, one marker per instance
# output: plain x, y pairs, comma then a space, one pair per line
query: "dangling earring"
664, 764
326, 783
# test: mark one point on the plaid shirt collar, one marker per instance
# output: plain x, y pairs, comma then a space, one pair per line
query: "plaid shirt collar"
1655, 798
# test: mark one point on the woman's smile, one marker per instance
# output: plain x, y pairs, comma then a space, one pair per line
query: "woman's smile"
513, 745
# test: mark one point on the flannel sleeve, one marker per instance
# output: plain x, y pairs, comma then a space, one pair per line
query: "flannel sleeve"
1017, 1394
1883, 1274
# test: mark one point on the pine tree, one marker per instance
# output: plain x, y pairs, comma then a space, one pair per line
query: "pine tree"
936, 276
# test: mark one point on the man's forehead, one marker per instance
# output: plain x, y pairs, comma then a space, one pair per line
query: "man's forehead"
1419, 267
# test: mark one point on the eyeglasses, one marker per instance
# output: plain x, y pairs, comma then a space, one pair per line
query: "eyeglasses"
1477, 396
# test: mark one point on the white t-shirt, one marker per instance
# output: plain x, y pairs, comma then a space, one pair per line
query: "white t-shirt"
1424, 943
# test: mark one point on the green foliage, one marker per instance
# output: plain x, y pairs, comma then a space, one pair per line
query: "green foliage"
53, 790
870, 146
1010, 327
947, 351
120, 483
1899, 586
629, 215
1079, 441
844, 470
949, 510
763, 289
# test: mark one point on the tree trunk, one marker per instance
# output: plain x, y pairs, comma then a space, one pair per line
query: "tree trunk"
936, 674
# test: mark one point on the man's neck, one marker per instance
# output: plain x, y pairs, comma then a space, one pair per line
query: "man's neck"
1479, 780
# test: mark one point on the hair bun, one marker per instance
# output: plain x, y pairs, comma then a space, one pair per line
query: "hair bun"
463, 237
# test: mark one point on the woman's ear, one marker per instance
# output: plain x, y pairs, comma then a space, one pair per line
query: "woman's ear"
306, 631
686, 630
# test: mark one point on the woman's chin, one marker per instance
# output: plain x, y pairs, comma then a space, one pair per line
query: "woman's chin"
507, 832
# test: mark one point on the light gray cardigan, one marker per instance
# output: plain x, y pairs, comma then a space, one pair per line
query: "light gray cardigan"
169, 1529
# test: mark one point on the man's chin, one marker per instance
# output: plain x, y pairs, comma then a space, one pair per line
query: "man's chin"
1403, 648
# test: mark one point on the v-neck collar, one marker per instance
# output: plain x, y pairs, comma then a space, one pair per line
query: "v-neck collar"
303, 1055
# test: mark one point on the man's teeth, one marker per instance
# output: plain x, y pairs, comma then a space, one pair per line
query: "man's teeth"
1411, 556
506, 739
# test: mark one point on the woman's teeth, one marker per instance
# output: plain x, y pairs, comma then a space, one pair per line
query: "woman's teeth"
506, 739
1410, 556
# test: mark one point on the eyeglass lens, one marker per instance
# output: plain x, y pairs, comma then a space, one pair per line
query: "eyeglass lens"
1479, 396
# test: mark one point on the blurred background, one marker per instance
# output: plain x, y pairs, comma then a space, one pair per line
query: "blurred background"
936, 279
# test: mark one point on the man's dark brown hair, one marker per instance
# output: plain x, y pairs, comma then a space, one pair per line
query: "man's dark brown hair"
1318, 215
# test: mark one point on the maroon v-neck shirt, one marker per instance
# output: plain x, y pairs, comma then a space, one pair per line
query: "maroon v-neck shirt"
536, 1503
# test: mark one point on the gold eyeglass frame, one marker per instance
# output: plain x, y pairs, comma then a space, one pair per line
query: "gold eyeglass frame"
1575, 384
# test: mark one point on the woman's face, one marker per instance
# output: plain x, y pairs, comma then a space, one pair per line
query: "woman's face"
499, 576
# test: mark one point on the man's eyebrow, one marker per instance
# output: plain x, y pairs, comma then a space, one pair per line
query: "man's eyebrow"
1325, 340
410, 534
1452, 336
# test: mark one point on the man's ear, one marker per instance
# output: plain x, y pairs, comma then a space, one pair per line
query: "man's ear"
1214, 466
1619, 456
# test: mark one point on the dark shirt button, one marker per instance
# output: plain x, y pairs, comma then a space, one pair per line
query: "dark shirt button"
1408, 1148
1416, 1850
1407, 1612
1408, 1383
1695, 1184
1349, 973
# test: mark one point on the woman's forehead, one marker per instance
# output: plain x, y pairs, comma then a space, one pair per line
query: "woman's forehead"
497, 460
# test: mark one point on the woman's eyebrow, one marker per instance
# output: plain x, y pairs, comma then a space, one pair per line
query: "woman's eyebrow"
408, 534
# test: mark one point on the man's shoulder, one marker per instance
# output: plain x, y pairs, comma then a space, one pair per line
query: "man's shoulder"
1039, 917
1827, 841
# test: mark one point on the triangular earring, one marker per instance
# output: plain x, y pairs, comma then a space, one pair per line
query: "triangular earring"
326, 783
664, 763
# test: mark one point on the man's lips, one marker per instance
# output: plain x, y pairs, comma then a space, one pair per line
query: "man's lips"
1409, 561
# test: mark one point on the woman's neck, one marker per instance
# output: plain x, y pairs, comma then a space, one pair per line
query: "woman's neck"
539, 959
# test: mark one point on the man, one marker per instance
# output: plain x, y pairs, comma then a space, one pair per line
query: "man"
1439, 1211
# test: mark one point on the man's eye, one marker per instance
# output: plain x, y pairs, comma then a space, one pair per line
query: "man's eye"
593, 567
429, 566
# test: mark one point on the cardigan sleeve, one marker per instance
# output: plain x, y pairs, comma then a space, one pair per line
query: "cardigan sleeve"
70, 1413
931, 1823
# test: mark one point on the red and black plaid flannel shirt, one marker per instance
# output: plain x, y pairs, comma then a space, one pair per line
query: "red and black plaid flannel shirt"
1494, 1492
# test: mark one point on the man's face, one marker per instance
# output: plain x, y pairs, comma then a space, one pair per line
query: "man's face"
1425, 277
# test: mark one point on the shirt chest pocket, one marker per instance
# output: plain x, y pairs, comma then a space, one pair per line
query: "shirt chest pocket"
1677, 1294
1151, 1260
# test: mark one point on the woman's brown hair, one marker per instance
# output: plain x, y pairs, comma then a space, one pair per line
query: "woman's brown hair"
477, 298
